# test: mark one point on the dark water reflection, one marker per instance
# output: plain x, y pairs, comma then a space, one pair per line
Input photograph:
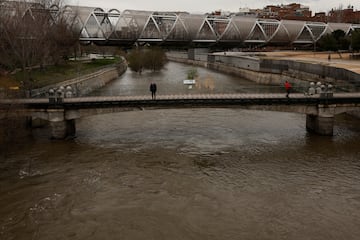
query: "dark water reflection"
184, 174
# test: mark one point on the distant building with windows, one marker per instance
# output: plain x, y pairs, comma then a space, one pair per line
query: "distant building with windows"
296, 11
319, 17
347, 15
293, 11
247, 12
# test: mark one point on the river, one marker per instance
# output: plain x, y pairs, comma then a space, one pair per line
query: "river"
208, 173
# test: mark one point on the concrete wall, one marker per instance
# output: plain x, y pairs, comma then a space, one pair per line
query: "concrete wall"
198, 54
243, 62
270, 71
179, 54
308, 70
187, 61
201, 57
298, 70
87, 83
258, 77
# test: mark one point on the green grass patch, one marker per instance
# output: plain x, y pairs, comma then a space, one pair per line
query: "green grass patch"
48, 75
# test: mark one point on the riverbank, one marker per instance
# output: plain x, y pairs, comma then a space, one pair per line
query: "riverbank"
274, 68
87, 83
13, 85
9, 128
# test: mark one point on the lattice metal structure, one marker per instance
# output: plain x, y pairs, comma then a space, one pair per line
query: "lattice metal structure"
130, 26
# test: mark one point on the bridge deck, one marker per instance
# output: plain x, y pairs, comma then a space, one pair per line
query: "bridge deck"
234, 96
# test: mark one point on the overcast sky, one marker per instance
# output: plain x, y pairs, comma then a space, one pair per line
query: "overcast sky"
203, 6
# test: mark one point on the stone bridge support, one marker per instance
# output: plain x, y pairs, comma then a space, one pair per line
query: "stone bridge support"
323, 122
62, 123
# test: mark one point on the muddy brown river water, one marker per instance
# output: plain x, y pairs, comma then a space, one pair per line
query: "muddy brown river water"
208, 173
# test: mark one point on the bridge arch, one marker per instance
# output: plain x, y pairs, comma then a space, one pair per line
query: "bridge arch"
126, 28
206, 32
281, 35
310, 32
353, 28
231, 32
246, 26
193, 23
130, 26
178, 32
159, 26
263, 31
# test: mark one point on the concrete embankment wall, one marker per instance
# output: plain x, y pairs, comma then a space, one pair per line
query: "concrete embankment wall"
246, 68
268, 71
183, 57
86, 83
309, 71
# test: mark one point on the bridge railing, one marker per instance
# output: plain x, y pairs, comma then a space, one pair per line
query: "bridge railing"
218, 89
66, 91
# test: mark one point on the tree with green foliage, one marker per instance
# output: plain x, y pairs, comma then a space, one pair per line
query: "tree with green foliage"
153, 59
343, 41
335, 41
355, 40
328, 43
135, 60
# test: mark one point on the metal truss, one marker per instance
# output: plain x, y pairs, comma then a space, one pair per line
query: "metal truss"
129, 26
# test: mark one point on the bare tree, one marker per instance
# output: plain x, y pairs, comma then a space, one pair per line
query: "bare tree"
33, 34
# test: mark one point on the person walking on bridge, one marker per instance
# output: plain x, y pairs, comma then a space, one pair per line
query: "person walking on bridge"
287, 88
153, 89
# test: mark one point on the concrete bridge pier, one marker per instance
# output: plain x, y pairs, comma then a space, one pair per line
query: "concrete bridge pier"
320, 125
62, 123
62, 129
323, 122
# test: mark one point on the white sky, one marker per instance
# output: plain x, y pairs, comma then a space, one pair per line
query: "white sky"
203, 6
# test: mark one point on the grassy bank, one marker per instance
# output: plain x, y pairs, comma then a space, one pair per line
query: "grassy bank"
48, 75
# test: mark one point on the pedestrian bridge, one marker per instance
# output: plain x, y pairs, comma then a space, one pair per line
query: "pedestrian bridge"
127, 27
62, 112
175, 28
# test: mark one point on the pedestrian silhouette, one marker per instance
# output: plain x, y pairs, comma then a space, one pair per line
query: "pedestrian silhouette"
287, 88
153, 89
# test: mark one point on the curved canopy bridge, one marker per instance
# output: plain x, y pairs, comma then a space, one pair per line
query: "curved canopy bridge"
114, 27
131, 26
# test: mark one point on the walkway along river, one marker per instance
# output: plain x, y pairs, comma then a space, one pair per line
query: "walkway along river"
183, 173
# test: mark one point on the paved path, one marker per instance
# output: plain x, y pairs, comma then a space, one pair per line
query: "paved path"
340, 61
234, 96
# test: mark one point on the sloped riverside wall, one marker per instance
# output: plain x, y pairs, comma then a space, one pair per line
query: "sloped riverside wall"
87, 83
257, 68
